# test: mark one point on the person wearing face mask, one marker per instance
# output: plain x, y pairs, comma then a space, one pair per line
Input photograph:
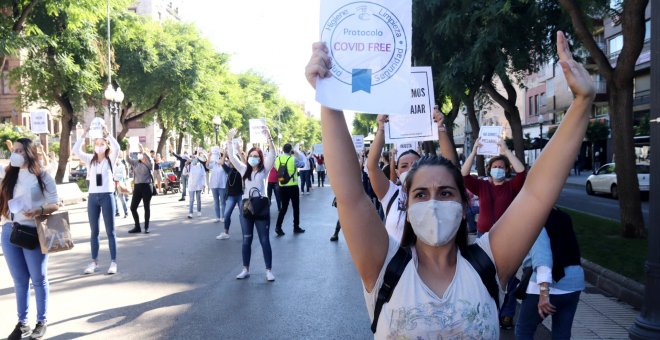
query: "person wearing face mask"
255, 174
218, 184
387, 192
142, 190
438, 285
24, 177
495, 196
101, 198
196, 182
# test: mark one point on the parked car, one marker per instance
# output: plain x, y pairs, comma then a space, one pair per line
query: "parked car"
604, 180
77, 173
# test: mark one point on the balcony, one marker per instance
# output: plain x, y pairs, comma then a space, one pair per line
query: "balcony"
642, 98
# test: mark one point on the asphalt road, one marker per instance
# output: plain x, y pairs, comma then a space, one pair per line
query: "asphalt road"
575, 197
179, 282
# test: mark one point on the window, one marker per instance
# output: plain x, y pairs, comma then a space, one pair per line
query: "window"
614, 45
542, 100
647, 33
531, 105
5, 82
537, 105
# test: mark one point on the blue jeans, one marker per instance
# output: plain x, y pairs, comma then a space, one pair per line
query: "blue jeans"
123, 198
184, 183
305, 180
25, 265
219, 199
472, 224
510, 303
197, 193
562, 320
232, 201
96, 204
247, 225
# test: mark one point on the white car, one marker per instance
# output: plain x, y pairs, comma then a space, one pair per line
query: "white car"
604, 180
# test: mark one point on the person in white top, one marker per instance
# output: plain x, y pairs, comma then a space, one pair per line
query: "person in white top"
218, 184
431, 299
101, 197
121, 186
254, 174
196, 182
26, 181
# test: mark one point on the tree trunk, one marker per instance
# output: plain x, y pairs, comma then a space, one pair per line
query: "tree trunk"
621, 116
179, 145
449, 126
127, 115
474, 134
510, 111
65, 137
163, 140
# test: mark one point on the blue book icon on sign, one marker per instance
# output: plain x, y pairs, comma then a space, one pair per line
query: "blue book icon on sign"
361, 80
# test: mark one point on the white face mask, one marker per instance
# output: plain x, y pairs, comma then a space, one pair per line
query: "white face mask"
403, 176
99, 149
498, 174
16, 160
140, 156
253, 161
435, 222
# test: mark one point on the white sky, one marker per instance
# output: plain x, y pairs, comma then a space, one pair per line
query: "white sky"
273, 38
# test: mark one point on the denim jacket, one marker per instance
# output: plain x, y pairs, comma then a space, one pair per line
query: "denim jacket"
541, 255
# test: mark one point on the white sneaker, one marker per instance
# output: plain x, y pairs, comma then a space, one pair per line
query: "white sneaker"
216, 220
199, 214
222, 219
244, 273
269, 275
113, 268
189, 215
222, 236
91, 268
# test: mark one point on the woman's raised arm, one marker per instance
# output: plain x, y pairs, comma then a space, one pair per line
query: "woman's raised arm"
364, 231
514, 233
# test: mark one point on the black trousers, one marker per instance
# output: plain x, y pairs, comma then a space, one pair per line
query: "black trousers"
289, 193
141, 192
274, 187
321, 181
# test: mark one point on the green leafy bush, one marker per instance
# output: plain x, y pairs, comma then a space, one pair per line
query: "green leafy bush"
13, 132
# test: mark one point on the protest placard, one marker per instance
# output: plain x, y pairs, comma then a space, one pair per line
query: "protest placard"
358, 142
369, 43
39, 121
490, 136
96, 128
318, 149
133, 144
405, 146
257, 134
418, 124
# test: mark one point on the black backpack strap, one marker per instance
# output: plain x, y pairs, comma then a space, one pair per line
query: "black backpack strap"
392, 275
389, 204
486, 269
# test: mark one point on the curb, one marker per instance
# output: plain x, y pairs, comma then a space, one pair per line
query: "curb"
617, 285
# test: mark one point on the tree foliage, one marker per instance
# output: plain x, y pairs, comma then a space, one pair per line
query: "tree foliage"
363, 124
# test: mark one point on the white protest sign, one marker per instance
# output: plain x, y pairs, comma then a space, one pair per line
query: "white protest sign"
418, 125
96, 128
133, 144
490, 136
369, 43
404, 146
318, 149
39, 121
358, 142
257, 134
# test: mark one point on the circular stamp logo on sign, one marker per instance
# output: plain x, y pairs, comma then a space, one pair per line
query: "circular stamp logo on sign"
367, 44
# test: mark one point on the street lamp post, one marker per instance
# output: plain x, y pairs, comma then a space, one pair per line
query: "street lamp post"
114, 97
217, 121
541, 121
647, 324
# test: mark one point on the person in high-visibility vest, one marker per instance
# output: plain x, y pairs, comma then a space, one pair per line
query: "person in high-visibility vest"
287, 166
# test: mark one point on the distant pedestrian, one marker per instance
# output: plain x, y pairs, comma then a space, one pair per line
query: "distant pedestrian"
142, 189
234, 197
273, 187
182, 163
218, 184
304, 171
289, 165
121, 186
577, 167
101, 198
196, 183
25, 178
320, 170
255, 173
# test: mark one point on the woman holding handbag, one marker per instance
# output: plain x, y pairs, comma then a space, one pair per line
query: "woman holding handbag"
101, 199
254, 174
24, 180
143, 189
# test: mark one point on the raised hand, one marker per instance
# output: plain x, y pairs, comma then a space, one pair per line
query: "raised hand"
382, 119
231, 134
319, 64
577, 77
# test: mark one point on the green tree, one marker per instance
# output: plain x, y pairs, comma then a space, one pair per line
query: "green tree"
12, 132
620, 87
363, 124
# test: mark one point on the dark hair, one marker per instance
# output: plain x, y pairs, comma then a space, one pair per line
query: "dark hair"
287, 148
386, 156
95, 158
408, 152
11, 175
507, 164
260, 167
409, 238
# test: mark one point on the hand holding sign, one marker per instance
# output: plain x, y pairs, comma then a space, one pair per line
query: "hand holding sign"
490, 137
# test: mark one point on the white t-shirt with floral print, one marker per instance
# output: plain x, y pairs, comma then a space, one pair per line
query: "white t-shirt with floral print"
465, 311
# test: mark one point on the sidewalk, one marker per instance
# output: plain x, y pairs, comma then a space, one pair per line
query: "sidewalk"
578, 180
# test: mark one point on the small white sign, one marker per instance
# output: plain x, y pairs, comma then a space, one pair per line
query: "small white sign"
403, 147
418, 125
96, 128
39, 121
369, 43
318, 149
257, 133
358, 142
490, 136
133, 144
